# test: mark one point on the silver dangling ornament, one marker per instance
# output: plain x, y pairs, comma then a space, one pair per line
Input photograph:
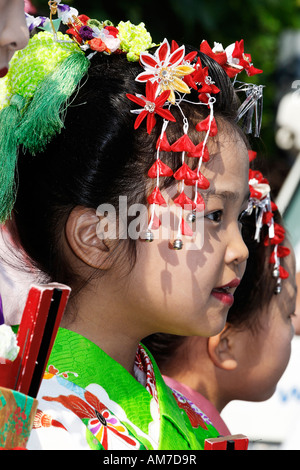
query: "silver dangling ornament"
149, 237
277, 289
191, 217
276, 273
177, 244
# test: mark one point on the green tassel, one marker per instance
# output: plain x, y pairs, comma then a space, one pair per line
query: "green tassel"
9, 119
43, 118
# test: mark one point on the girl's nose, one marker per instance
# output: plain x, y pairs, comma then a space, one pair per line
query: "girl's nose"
14, 38
237, 251
14, 32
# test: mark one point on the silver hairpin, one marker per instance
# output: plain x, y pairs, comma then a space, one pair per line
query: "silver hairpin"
252, 106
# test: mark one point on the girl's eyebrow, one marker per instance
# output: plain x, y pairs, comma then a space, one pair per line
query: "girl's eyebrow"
225, 195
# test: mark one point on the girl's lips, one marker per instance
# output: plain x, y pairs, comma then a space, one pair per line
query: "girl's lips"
3, 72
222, 293
234, 283
225, 298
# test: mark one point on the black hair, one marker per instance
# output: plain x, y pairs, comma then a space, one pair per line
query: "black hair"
97, 157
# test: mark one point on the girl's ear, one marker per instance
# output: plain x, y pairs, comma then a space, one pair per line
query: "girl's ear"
83, 238
221, 349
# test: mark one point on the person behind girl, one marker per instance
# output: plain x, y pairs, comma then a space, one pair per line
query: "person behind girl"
248, 357
90, 131
14, 33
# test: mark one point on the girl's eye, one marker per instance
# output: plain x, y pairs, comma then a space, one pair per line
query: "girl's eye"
215, 216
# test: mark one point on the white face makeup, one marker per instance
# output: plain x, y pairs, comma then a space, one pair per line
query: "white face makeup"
14, 33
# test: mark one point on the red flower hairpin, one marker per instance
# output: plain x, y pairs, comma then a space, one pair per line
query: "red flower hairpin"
152, 104
232, 59
170, 74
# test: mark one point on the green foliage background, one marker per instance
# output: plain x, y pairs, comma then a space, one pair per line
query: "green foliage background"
259, 22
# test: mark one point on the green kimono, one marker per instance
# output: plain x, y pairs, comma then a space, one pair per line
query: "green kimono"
89, 401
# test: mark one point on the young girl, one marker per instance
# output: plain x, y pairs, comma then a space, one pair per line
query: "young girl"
248, 357
90, 131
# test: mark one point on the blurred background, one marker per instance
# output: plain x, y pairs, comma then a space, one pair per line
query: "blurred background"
271, 32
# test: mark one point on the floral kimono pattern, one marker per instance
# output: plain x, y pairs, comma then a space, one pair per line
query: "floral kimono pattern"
89, 401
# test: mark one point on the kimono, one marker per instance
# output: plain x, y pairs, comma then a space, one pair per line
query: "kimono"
201, 402
89, 401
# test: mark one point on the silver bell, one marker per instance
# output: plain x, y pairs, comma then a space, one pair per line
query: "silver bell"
277, 289
177, 244
276, 272
149, 237
191, 217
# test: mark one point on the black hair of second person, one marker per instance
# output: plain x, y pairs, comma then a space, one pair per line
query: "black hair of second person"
97, 157
251, 297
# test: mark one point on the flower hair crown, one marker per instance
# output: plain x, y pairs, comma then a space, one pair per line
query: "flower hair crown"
33, 104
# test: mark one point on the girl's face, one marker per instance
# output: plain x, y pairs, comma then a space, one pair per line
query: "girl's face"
264, 354
183, 292
14, 33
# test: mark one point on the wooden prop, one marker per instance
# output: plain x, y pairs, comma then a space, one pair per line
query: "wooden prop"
235, 442
42, 315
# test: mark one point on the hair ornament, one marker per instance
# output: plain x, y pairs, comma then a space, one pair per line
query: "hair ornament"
151, 104
98, 36
171, 70
167, 69
251, 107
35, 106
170, 75
234, 60
32, 105
260, 201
